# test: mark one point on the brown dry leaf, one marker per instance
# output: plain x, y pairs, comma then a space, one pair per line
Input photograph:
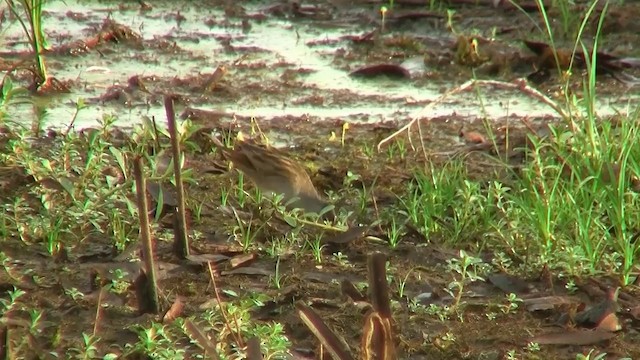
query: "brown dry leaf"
610, 323
242, 260
249, 271
215, 78
174, 311
329, 339
473, 137
222, 249
348, 236
593, 316
203, 259
197, 334
510, 284
547, 302
391, 70
577, 337
414, 15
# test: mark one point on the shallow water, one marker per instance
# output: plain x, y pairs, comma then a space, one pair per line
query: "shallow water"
271, 45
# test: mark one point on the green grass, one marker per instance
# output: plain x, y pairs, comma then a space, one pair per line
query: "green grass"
565, 209
29, 15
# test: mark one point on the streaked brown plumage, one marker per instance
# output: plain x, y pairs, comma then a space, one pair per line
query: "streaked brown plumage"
273, 171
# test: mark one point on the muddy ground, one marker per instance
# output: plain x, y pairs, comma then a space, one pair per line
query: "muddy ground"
480, 40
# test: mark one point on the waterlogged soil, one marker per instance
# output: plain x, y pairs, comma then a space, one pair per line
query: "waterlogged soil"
322, 65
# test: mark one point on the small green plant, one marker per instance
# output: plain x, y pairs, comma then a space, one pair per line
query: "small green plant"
513, 303
383, 16
533, 347
121, 231
397, 148
316, 248
364, 196
368, 149
119, 284
240, 193
89, 349
197, 211
32, 17
394, 232
10, 95
156, 342
7, 305
74, 293
441, 312
232, 321
468, 268
450, 15
430, 196
595, 355
448, 338
277, 276
401, 285
341, 259
244, 234
571, 286
224, 196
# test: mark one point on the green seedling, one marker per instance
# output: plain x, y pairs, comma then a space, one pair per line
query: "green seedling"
277, 277
383, 15
197, 211
8, 305
119, 284
89, 349
316, 248
450, 14
244, 233
402, 284
224, 196
240, 193
467, 267
29, 15
394, 232
341, 259
368, 149
345, 127
156, 342
513, 304
533, 347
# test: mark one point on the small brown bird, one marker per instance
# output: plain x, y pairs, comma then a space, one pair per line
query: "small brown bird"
273, 171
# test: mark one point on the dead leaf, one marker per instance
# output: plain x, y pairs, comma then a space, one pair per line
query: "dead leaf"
205, 342
175, 311
203, 259
577, 337
242, 260
390, 70
322, 332
510, 284
352, 234
547, 302
248, 271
